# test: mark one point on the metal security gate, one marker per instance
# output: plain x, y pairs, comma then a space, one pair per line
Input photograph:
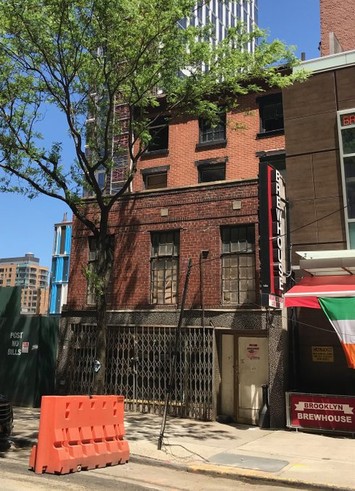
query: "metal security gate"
138, 367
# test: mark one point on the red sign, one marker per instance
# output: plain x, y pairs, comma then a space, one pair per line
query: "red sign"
347, 119
272, 230
321, 412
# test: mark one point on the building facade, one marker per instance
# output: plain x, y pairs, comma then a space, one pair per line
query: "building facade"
225, 14
195, 198
60, 266
221, 15
320, 170
27, 273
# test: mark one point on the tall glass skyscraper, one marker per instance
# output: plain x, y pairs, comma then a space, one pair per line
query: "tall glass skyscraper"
223, 15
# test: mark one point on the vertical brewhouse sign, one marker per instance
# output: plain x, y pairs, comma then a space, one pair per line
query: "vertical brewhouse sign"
272, 227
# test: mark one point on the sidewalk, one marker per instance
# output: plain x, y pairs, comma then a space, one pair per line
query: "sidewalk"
276, 456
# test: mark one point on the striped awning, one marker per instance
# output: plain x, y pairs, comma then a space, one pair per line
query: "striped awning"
307, 291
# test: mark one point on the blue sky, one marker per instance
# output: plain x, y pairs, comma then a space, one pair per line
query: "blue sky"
295, 22
28, 225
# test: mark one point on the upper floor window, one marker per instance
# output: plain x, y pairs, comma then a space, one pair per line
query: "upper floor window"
63, 238
346, 127
164, 267
100, 176
213, 132
156, 181
159, 132
210, 172
238, 265
119, 172
65, 269
58, 299
156, 177
271, 113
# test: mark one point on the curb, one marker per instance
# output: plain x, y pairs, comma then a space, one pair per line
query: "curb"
244, 475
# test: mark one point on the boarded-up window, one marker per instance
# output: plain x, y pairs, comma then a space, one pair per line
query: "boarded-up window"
164, 267
238, 265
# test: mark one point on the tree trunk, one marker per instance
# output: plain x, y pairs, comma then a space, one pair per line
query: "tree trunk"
103, 269
101, 343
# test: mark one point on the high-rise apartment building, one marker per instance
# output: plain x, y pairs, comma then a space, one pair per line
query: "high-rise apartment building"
225, 14
60, 266
27, 273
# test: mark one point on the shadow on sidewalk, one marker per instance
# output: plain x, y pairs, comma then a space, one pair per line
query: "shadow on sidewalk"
24, 434
145, 427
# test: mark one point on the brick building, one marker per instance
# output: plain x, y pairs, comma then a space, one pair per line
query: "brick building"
194, 197
337, 26
231, 151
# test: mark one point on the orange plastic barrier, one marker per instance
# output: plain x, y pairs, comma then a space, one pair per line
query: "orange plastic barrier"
79, 433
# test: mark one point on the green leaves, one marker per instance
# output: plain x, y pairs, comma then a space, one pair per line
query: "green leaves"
83, 57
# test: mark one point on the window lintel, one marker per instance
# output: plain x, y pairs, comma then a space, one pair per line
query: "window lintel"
155, 170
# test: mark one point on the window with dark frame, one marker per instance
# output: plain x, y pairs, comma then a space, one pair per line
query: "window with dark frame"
63, 237
212, 133
58, 298
159, 132
156, 180
238, 265
271, 113
65, 269
54, 267
212, 172
346, 135
101, 178
155, 177
164, 267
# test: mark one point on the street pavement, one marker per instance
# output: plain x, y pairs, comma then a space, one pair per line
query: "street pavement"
284, 457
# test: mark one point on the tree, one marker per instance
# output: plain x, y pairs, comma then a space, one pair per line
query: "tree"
82, 57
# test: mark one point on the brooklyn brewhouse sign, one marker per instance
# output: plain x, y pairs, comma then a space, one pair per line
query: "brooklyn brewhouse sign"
272, 230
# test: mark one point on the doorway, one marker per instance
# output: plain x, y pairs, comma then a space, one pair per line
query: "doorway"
244, 369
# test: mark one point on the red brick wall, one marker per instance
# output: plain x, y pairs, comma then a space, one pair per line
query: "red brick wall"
241, 148
198, 213
337, 17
